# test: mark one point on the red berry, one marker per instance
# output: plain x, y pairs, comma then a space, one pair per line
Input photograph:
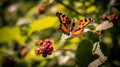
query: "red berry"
50, 53
39, 51
44, 55
116, 17
41, 9
7, 62
112, 17
50, 48
104, 16
24, 52
40, 42
48, 41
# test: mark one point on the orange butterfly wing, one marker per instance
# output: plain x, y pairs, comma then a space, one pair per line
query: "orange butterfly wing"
65, 23
77, 31
83, 23
80, 25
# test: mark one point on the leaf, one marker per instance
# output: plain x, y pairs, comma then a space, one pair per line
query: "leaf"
84, 53
102, 58
104, 25
91, 36
9, 34
31, 13
91, 9
114, 10
42, 24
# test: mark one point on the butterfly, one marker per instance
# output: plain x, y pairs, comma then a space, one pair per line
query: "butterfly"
72, 28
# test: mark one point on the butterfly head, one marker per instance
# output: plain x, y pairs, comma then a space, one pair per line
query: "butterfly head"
58, 13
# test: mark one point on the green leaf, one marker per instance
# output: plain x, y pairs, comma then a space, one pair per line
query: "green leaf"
91, 9
9, 34
84, 53
115, 9
33, 11
91, 36
42, 24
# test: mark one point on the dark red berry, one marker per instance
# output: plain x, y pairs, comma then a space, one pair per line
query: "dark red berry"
38, 51
48, 41
44, 55
40, 42
7, 62
24, 52
50, 53
41, 9
116, 17
113, 17
104, 16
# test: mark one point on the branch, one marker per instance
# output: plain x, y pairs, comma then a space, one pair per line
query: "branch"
65, 49
69, 7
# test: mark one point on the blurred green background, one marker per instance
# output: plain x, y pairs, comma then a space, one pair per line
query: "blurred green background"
23, 23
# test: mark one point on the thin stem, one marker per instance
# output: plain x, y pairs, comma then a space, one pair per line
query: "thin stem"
69, 7
65, 49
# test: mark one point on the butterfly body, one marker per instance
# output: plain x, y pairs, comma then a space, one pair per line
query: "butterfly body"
70, 28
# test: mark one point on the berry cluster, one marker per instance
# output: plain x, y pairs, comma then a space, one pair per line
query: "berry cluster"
110, 17
45, 47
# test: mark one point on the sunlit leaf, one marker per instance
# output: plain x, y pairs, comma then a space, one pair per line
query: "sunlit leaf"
9, 34
32, 12
60, 7
87, 3
78, 4
32, 54
42, 24
104, 25
91, 9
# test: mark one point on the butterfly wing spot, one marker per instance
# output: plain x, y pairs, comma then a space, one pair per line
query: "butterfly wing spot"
77, 31
73, 24
63, 16
91, 20
64, 29
81, 20
85, 19
68, 21
85, 22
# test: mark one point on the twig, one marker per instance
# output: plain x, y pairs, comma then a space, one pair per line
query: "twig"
65, 49
69, 7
